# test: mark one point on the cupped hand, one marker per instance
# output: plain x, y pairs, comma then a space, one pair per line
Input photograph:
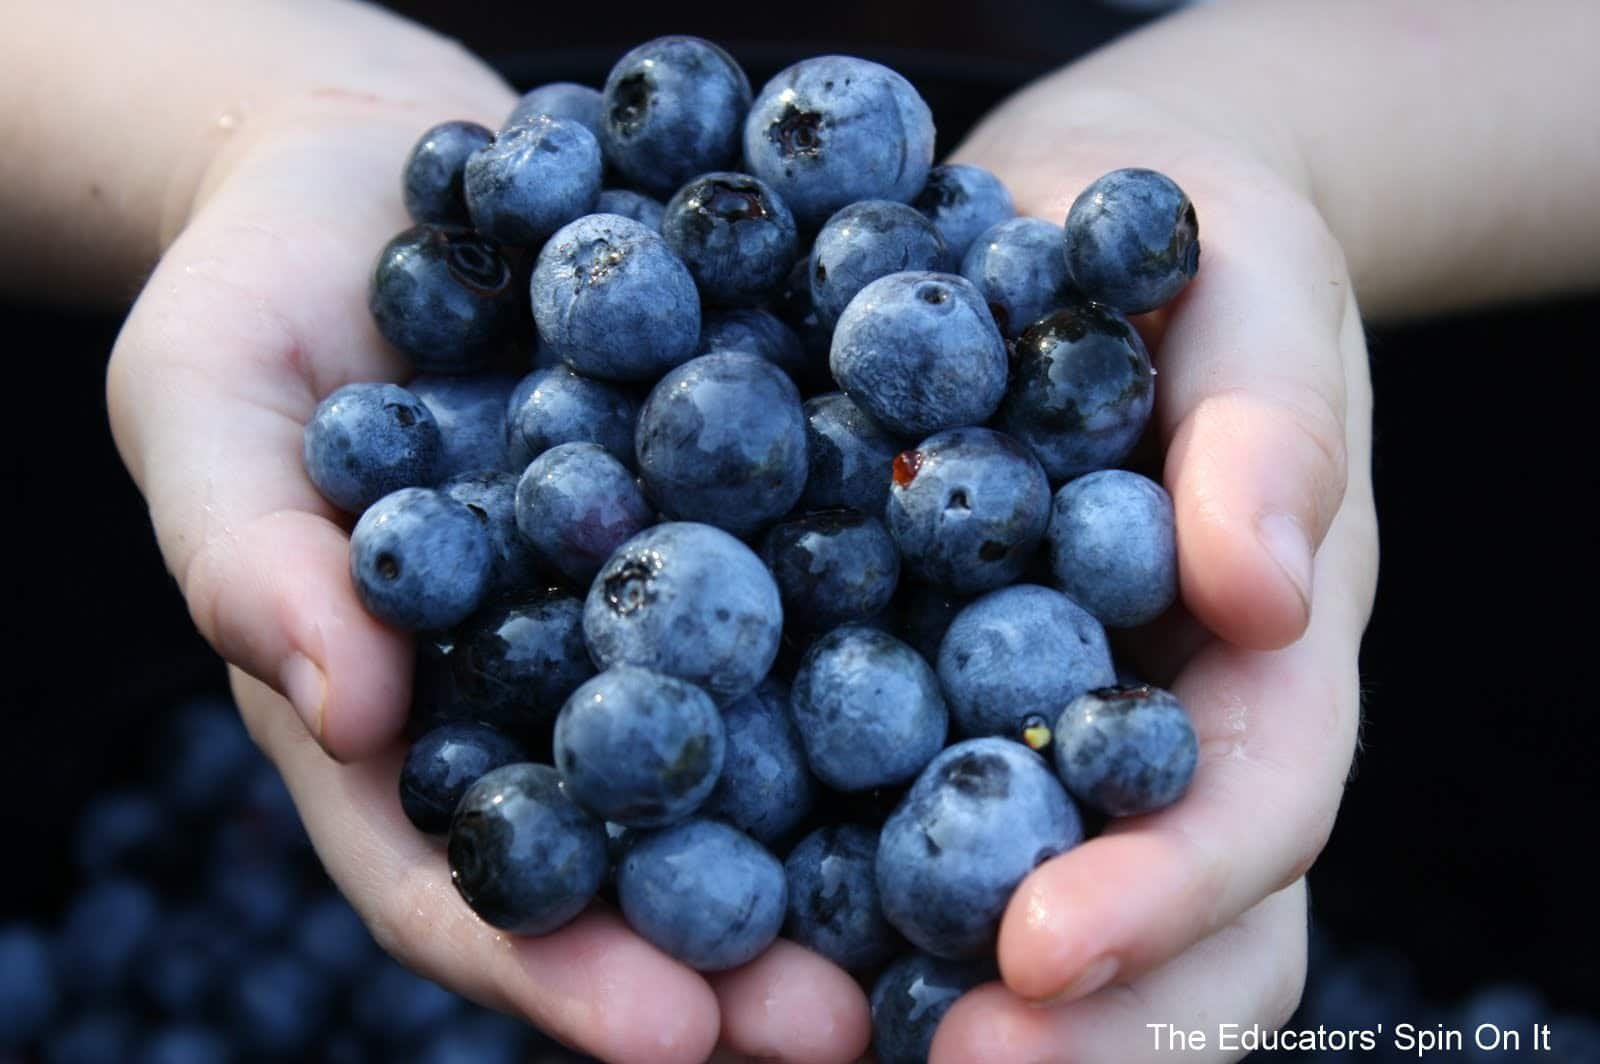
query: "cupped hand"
1195, 915
254, 314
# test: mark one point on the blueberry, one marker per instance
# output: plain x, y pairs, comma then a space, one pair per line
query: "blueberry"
614, 301
868, 708
523, 856
200, 754
515, 663
471, 414
1132, 240
329, 935
1018, 270
560, 99
833, 897
962, 201
576, 504
759, 333
832, 566
442, 764
1125, 750
128, 832
535, 177
704, 892
492, 498
183, 1043
735, 235
399, 1006
1113, 546
688, 600
867, 240
257, 900
192, 954
967, 509
639, 748
105, 928
1018, 651
722, 440
558, 405
445, 297
1082, 391
920, 353
630, 204
765, 789
852, 457
366, 440
982, 815
672, 109
832, 130
420, 560
432, 179
29, 990
912, 996
278, 1005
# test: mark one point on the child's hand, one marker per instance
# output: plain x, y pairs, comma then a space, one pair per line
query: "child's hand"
1195, 916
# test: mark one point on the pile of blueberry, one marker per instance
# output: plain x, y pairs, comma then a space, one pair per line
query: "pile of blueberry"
202, 930
800, 538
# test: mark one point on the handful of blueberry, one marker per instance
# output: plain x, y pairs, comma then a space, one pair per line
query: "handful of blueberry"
799, 538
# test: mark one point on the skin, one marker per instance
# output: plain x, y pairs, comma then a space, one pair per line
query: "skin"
255, 156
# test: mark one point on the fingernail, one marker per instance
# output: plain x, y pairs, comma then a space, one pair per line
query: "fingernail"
1285, 539
307, 689
1094, 976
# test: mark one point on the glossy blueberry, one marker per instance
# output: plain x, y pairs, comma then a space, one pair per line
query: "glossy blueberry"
1113, 546
576, 504
982, 815
759, 333
967, 509
441, 766
639, 748
525, 858
1132, 240
471, 414
515, 663
1081, 392
535, 177
366, 440
492, 498
29, 990
432, 179
445, 297
100, 1035
560, 99
614, 301
558, 405
962, 201
420, 560
330, 935
1126, 750
1018, 270
912, 996
673, 108
277, 1005
688, 600
102, 934
630, 204
765, 789
920, 353
1021, 650
852, 457
833, 897
704, 892
867, 240
735, 235
722, 440
832, 566
868, 708
832, 130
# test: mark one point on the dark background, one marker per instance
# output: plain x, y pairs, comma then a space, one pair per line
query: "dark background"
1464, 837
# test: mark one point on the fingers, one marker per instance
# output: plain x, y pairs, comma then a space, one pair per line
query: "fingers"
1277, 730
593, 984
791, 1004
1248, 973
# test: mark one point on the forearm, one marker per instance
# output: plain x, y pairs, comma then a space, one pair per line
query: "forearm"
117, 112
1450, 147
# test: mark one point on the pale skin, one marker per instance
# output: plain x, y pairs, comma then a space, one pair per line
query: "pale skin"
1413, 156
